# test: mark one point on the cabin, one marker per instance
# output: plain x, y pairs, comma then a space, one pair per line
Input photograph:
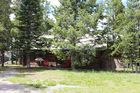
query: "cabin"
100, 62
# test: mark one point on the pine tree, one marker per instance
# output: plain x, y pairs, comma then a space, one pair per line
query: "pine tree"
5, 26
134, 12
126, 28
74, 19
116, 20
30, 18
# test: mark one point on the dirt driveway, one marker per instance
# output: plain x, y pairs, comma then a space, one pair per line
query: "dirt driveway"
8, 87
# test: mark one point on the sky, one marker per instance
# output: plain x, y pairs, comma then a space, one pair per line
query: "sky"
124, 2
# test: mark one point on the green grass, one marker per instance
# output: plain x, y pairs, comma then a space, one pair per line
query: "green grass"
96, 89
2, 69
88, 81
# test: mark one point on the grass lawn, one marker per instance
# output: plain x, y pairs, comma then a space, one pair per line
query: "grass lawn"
88, 81
2, 69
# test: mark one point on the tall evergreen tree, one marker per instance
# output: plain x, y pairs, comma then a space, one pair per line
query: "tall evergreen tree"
134, 14
116, 20
126, 28
74, 19
5, 26
30, 18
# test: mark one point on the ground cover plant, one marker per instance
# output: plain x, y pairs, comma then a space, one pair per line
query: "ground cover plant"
86, 81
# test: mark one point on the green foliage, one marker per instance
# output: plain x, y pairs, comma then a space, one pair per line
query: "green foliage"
5, 24
30, 17
125, 25
74, 19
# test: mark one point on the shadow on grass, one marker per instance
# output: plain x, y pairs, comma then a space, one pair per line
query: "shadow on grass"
40, 69
36, 86
3, 68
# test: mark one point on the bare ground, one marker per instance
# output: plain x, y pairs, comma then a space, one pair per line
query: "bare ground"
8, 87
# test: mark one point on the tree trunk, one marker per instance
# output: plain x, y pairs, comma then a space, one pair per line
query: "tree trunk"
2, 58
20, 57
72, 63
12, 57
132, 67
136, 67
73, 59
24, 60
28, 60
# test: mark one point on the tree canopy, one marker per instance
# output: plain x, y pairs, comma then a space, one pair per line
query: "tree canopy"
73, 21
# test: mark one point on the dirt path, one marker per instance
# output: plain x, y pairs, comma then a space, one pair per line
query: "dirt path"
8, 87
